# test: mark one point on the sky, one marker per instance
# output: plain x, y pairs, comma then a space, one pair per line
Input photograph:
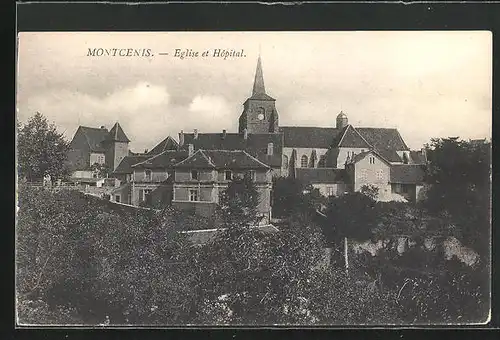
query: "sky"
427, 84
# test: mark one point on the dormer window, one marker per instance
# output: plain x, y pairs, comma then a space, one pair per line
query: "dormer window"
228, 175
194, 174
405, 158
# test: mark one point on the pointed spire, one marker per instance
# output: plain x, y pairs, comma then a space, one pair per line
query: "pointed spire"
258, 85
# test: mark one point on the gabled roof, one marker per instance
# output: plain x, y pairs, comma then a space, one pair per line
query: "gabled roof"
382, 138
221, 159
308, 137
362, 155
352, 139
196, 161
125, 166
92, 136
167, 144
166, 159
255, 144
407, 173
116, 134
322, 175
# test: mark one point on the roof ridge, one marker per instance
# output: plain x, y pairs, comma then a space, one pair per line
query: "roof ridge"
255, 159
207, 158
362, 137
189, 157
153, 157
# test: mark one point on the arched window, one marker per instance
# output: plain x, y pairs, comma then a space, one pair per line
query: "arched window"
285, 162
303, 161
322, 161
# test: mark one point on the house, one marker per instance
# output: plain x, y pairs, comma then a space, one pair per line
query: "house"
205, 174
96, 145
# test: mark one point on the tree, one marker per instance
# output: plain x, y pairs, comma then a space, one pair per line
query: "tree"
100, 170
459, 175
288, 196
238, 204
41, 150
370, 191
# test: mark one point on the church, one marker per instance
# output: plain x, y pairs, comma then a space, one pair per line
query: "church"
193, 170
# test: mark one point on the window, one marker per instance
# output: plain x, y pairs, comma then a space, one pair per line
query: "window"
129, 199
364, 174
147, 195
117, 198
251, 174
322, 161
228, 175
330, 191
194, 174
193, 195
303, 161
404, 189
372, 160
270, 148
380, 174
285, 161
147, 174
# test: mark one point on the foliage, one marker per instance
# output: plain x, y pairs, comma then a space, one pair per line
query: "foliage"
353, 215
369, 190
41, 150
238, 204
459, 175
100, 170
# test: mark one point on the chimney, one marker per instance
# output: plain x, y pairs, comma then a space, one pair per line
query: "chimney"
270, 148
424, 154
146, 150
245, 133
195, 133
181, 138
103, 127
224, 134
190, 149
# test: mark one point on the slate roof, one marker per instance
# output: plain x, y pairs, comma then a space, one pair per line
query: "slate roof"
93, 136
308, 137
322, 175
125, 166
255, 144
417, 157
221, 159
166, 159
383, 139
407, 173
116, 134
167, 144
351, 138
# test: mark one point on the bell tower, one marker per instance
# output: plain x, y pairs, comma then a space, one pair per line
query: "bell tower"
259, 111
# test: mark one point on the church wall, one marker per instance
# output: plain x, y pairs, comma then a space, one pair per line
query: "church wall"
304, 151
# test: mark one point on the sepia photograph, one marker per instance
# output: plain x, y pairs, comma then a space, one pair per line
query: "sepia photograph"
326, 178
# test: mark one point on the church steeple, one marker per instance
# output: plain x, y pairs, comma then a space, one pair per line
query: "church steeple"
258, 84
259, 111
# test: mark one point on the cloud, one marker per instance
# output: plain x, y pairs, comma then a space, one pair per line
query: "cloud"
144, 111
